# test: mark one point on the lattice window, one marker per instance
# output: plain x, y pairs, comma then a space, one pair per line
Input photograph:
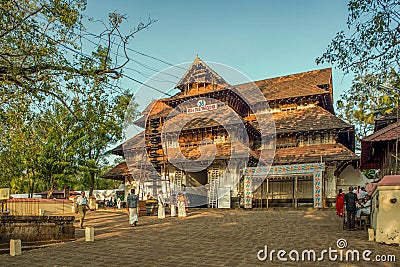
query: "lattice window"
178, 179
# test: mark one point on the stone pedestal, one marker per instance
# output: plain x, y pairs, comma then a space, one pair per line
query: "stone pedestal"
371, 234
89, 234
15, 247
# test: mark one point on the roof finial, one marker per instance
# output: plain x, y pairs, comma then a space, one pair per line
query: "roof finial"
197, 55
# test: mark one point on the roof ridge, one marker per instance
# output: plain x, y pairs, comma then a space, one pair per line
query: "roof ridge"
382, 131
206, 73
293, 74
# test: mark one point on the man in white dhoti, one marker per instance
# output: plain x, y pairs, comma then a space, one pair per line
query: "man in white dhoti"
181, 205
132, 202
118, 203
161, 205
173, 205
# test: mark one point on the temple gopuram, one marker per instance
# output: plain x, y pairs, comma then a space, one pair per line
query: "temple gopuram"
208, 141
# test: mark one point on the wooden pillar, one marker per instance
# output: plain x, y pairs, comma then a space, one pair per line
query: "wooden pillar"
261, 201
267, 192
295, 191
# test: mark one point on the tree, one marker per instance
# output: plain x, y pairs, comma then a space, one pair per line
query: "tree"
372, 42
103, 117
364, 102
60, 103
42, 49
370, 48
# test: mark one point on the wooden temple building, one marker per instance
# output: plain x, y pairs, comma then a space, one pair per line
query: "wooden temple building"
310, 146
380, 150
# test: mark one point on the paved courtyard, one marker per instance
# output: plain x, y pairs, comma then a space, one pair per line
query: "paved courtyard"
205, 238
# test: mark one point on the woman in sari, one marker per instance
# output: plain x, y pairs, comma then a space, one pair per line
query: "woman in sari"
340, 203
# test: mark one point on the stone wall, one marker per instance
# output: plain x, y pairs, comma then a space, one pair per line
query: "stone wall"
37, 228
38, 206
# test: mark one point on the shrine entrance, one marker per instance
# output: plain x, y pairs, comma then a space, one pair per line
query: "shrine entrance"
284, 191
284, 183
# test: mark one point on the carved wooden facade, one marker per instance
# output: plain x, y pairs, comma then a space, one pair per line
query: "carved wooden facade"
307, 131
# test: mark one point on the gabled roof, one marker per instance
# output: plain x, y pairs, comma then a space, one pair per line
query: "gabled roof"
314, 153
386, 119
118, 172
307, 119
199, 72
135, 142
121, 171
392, 115
308, 83
155, 109
390, 132
371, 150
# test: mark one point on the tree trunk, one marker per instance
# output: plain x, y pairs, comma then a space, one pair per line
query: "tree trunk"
32, 190
91, 176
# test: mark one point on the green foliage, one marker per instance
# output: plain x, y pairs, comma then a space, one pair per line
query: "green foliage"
365, 101
60, 108
370, 48
372, 41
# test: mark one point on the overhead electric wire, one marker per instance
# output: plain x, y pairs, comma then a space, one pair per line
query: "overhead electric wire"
130, 78
138, 52
141, 73
88, 57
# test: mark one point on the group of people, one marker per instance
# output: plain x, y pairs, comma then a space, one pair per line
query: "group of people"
177, 201
357, 203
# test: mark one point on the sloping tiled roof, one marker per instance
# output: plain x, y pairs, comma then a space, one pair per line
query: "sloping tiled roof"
313, 153
389, 116
389, 180
372, 153
135, 142
121, 171
201, 73
220, 116
155, 109
294, 85
390, 132
307, 119
118, 172
223, 151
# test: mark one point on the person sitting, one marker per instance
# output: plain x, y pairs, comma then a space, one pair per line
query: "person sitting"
365, 208
363, 193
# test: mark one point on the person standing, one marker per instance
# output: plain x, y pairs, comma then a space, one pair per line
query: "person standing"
173, 205
340, 203
82, 203
118, 203
351, 199
132, 200
161, 205
181, 205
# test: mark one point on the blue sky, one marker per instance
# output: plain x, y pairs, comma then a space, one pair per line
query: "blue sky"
262, 39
